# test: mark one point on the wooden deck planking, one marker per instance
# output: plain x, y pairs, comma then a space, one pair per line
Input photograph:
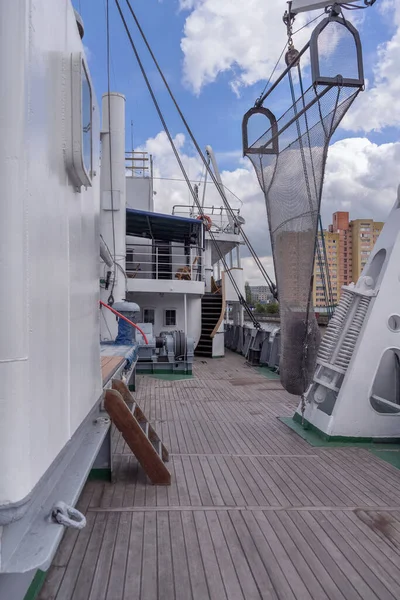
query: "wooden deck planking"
253, 511
109, 364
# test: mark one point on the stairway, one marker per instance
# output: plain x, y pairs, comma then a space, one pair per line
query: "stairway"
211, 307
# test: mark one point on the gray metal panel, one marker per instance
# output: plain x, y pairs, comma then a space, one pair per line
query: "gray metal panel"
64, 481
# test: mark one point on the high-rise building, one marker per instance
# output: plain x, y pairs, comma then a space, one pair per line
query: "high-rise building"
332, 245
348, 246
364, 232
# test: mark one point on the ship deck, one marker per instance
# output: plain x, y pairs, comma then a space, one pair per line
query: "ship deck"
253, 511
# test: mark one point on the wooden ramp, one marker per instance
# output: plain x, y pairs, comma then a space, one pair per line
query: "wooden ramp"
253, 512
137, 432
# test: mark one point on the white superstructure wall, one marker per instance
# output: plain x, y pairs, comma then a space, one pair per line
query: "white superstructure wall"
49, 230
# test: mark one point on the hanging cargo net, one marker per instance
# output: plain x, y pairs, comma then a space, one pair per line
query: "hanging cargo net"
318, 86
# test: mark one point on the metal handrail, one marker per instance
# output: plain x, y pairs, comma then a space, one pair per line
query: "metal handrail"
219, 215
144, 261
206, 209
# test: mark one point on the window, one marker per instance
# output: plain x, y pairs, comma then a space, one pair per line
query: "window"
86, 122
79, 155
170, 317
149, 315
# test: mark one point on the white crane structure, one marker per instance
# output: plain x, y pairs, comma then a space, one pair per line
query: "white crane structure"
300, 6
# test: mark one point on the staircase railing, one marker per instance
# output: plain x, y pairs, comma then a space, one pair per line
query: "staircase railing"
223, 307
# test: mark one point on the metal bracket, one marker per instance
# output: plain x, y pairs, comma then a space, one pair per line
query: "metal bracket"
260, 110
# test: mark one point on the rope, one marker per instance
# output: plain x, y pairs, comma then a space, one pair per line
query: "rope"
166, 129
305, 347
280, 57
271, 284
271, 76
205, 187
326, 288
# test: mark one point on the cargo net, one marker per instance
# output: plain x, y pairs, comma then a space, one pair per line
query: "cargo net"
289, 159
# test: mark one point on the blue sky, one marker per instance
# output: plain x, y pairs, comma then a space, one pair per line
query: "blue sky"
216, 113
216, 55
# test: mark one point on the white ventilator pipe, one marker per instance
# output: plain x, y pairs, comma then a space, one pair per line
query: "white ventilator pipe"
113, 200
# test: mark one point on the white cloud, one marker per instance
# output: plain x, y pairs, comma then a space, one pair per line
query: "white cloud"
379, 106
245, 41
252, 272
361, 177
243, 38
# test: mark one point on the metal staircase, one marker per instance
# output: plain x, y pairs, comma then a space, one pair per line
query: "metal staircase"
211, 308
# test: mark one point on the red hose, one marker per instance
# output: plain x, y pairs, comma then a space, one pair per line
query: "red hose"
125, 319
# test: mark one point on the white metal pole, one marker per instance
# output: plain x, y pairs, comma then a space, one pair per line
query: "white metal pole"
185, 314
156, 262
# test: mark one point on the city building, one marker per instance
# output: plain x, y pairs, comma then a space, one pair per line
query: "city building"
332, 245
348, 246
261, 294
364, 232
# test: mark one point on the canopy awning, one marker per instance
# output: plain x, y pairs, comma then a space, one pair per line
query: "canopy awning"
166, 228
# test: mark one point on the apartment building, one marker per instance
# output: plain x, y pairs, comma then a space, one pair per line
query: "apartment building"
348, 246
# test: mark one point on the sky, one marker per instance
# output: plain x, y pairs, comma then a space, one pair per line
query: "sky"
217, 56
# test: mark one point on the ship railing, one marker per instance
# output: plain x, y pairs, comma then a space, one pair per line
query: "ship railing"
138, 164
167, 261
218, 214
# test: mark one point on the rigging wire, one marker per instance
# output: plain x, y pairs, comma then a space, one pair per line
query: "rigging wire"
280, 57
205, 185
166, 129
111, 58
263, 271
111, 297
324, 272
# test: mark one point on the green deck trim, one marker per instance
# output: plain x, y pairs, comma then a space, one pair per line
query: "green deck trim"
316, 437
390, 456
171, 376
100, 475
36, 585
267, 372
162, 372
